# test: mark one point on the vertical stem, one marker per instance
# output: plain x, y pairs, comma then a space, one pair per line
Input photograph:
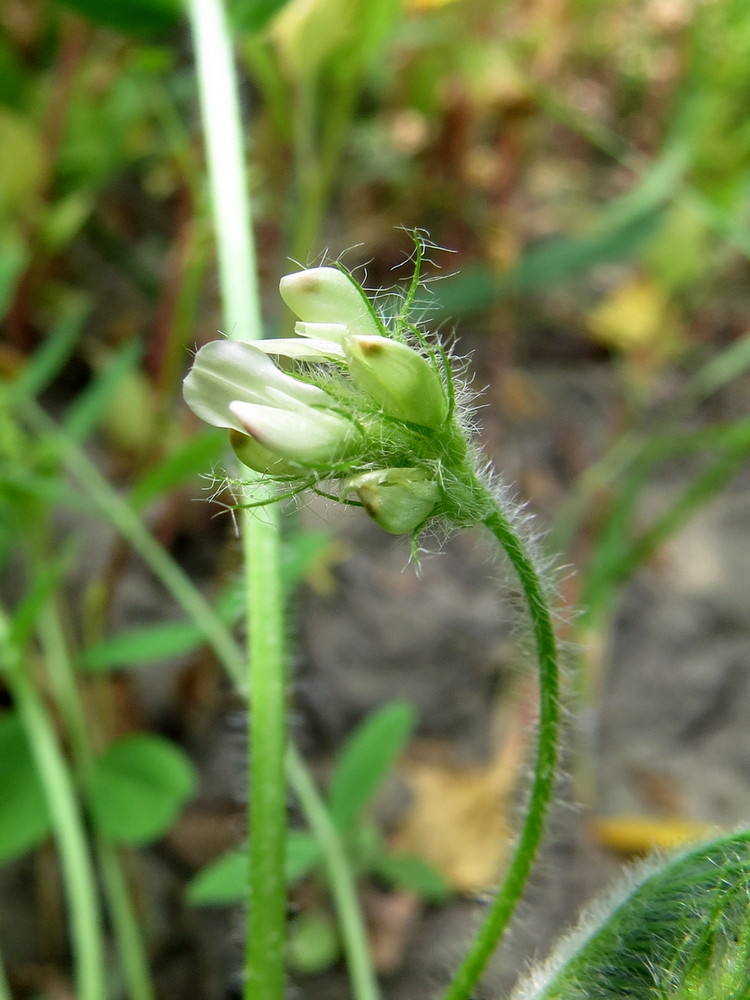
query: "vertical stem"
264, 955
267, 791
503, 906
69, 833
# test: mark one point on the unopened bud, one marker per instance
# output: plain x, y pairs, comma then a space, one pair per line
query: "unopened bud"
255, 456
327, 295
397, 378
400, 500
302, 435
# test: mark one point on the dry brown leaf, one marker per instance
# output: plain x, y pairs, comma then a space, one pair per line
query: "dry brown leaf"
458, 820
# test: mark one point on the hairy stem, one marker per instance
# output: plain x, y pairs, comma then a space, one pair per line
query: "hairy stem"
503, 906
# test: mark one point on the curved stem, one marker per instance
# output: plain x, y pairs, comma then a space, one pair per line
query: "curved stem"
503, 906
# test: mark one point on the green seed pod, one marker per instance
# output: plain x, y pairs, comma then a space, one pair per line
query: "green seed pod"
400, 500
397, 378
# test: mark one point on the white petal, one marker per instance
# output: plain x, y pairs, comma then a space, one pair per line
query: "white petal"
328, 295
336, 332
301, 350
227, 370
307, 436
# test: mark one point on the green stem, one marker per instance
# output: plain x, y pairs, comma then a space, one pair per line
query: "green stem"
503, 906
69, 832
267, 790
220, 111
353, 931
128, 933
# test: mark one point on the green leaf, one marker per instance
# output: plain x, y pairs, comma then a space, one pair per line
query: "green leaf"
40, 590
143, 645
224, 882
253, 15
49, 360
366, 759
157, 642
89, 406
138, 786
300, 551
557, 260
24, 819
14, 257
134, 16
668, 933
409, 872
623, 228
303, 855
190, 459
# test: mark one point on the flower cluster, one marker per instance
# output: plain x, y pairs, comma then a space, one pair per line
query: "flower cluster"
369, 407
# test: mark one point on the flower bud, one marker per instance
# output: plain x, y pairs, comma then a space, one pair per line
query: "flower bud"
227, 371
400, 500
255, 456
335, 332
302, 435
327, 295
397, 378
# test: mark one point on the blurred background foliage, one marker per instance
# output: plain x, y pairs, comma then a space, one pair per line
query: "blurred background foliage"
587, 164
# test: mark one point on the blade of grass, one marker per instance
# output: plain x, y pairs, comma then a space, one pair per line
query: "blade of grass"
69, 831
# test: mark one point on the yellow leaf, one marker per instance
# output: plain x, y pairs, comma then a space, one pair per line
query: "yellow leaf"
642, 834
636, 317
458, 820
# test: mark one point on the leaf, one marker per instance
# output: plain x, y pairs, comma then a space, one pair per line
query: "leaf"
458, 817
157, 642
138, 786
143, 645
409, 872
366, 759
253, 15
667, 933
49, 360
224, 882
190, 459
301, 550
24, 818
624, 227
643, 834
637, 316
92, 404
135, 16
14, 257
558, 259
